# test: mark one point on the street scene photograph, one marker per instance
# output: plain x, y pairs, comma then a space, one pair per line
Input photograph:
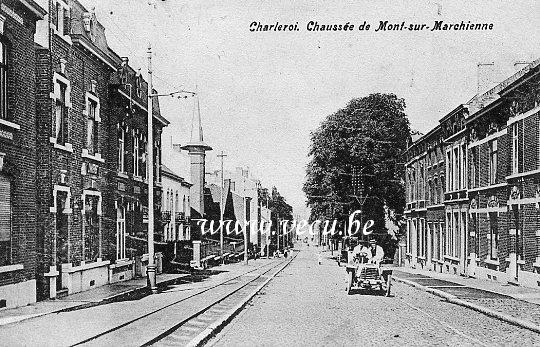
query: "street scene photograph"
269, 173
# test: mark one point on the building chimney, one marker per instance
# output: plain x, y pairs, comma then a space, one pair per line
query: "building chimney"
486, 76
125, 61
520, 64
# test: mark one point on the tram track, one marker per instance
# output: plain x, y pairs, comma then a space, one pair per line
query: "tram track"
207, 305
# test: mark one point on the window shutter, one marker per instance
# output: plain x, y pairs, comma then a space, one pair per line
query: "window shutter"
5, 209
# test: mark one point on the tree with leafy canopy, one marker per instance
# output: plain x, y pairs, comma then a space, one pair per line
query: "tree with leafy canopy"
355, 163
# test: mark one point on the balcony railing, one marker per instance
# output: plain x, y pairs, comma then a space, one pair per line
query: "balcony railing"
166, 216
179, 217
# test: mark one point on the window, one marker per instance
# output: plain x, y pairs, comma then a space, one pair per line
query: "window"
493, 235
449, 174
449, 234
463, 171
493, 162
136, 154
91, 228
92, 128
142, 157
3, 80
61, 114
176, 206
61, 18
455, 178
515, 148
121, 149
437, 191
5, 221
157, 162
473, 167
62, 231
121, 232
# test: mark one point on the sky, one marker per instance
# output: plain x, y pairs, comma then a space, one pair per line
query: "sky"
262, 93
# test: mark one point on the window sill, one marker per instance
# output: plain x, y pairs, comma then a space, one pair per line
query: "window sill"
97, 157
449, 257
84, 266
122, 174
137, 178
66, 38
11, 268
68, 147
492, 262
10, 124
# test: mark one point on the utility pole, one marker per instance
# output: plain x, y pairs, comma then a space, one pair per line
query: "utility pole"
245, 220
151, 268
222, 207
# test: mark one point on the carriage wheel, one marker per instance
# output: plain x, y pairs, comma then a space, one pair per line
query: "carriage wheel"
388, 285
350, 282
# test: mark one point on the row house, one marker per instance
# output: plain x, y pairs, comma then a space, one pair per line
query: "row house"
176, 214
451, 238
504, 171
128, 177
18, 207
425, 195
491, 196
91, 130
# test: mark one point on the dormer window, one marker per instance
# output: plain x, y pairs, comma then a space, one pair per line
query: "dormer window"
61, 18
138, 88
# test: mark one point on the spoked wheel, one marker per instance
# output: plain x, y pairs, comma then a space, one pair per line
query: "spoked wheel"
350, 282
388, 285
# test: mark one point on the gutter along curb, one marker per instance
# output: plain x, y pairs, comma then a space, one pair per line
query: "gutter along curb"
482, 309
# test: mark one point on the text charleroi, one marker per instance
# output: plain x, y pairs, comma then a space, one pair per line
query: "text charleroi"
383, 25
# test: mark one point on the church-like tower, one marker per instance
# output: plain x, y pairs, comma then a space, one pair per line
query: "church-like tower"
197, 152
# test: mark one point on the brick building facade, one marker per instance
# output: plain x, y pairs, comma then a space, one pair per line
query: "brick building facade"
17, 152
92, 184
492, 190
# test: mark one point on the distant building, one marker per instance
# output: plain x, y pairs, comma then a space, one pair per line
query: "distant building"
246, 187
175, 207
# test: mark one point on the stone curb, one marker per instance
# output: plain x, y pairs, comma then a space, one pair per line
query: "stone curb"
487, 311
215, 327
82, 304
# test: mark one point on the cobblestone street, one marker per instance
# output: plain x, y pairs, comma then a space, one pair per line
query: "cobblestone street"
307, 305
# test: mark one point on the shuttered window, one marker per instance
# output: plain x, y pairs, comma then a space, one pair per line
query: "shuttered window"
5, 221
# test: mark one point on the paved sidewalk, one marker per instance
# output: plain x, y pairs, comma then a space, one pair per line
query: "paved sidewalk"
119, 289
89, 297
531, 295
514, 304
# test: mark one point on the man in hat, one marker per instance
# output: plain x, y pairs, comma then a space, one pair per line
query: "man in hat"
375, 253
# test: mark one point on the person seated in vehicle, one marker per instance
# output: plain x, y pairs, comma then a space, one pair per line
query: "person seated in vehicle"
361, 252
375, 253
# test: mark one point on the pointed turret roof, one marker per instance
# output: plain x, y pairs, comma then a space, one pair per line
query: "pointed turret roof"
197, 139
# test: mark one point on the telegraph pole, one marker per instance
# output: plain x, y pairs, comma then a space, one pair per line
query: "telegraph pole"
151, 268
222, 207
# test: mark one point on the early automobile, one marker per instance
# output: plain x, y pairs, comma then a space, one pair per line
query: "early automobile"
368, 276
345, 249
